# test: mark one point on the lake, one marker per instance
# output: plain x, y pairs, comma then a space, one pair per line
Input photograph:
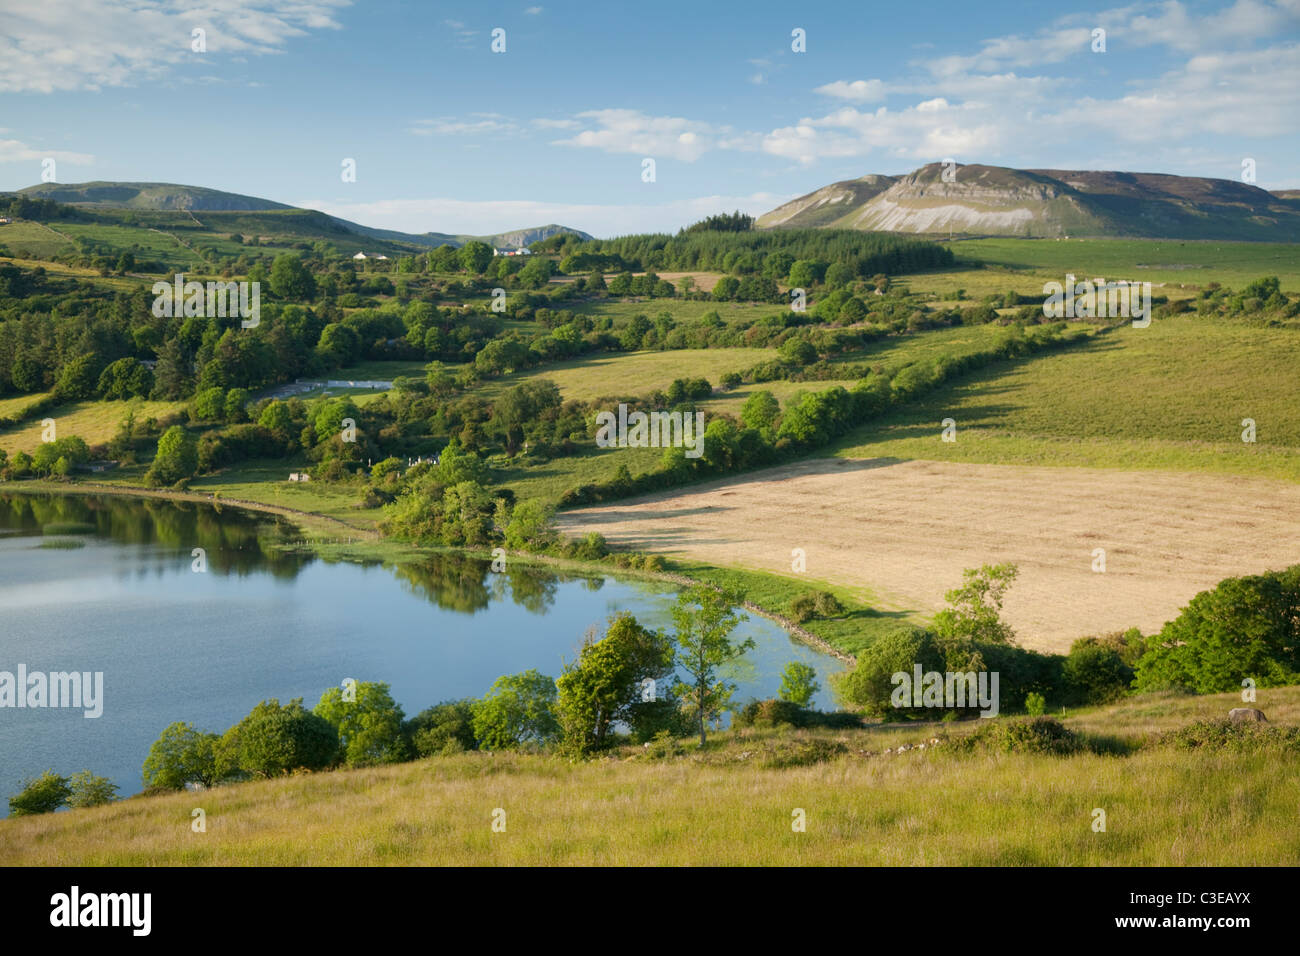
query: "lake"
107, 584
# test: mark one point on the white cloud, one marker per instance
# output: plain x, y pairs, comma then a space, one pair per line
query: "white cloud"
478, 123
631, 131
91, 44
533, 11
15, 151
862, 91
458, 216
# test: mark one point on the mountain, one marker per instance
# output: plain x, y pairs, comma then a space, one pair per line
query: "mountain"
1045, 203
170, 197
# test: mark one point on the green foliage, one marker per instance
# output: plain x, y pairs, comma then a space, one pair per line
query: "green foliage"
275, 739
177, 457
1243, 628
443, 728
369, 727
612, 679
181, 755
290, 278
531, 526
43, 794
70, 450
1020, 735
87, 790
974, 615
869, 684
1035, 704
799, 683
518, 711
703, 620
125, 378
1224, 735
1095, 671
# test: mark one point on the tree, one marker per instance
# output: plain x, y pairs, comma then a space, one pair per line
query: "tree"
369, 727
275, 739
760, 410
43, 794
290, 279
181, 755
70, 449
87, 790
974, 615
896, 652
177, 457
474, 256
235, 409
209, 405
125, 378
1243, 628
703, 620
78, 378
443, 728
607, 683
531, 526
518, 710
799, 683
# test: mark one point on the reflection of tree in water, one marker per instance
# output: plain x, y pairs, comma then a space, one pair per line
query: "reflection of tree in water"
452, 581
462, 582
235, 541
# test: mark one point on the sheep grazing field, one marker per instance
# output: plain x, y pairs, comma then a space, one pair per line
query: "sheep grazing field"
902, 531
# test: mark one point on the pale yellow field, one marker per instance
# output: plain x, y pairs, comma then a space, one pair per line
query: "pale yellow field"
95, 422
905, 530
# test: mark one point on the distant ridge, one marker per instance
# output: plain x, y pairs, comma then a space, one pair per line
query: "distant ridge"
1046, 203
173, 197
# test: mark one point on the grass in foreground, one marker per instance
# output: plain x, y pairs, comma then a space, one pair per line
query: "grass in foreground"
732, 805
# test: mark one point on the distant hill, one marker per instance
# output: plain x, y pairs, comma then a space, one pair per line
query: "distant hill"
1046, 203
171, 197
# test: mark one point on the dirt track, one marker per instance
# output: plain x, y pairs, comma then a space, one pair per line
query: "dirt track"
905, 531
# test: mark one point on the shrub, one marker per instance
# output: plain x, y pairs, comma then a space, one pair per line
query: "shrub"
1021, 735
181, 755
88, 790
43, 794
1225, 735
827, 604
519, 710
1095, 673
447, 727
275, 739
1035, 704
803, 608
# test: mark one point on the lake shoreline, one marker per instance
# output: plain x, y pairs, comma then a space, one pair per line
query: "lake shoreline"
374, 545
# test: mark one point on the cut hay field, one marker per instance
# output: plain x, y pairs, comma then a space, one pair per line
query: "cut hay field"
905, 530
733, 804
1170, 396
95, 422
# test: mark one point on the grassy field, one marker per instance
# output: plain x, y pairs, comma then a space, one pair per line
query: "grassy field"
14, 405
32, 239
630, 373
95, 422
733, 804
1173, 262
1170, 396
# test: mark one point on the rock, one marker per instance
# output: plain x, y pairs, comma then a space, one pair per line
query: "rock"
1241, 715
920, 746
889, 750
934, 741
902, 747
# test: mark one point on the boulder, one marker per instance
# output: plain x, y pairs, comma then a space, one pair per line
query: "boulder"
1239, 715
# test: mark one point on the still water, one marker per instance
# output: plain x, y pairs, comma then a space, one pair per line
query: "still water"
176, 644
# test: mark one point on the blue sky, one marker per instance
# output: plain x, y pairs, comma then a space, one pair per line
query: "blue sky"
450, 136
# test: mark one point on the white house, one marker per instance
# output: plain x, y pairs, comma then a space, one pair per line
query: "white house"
299, 476
359, 255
